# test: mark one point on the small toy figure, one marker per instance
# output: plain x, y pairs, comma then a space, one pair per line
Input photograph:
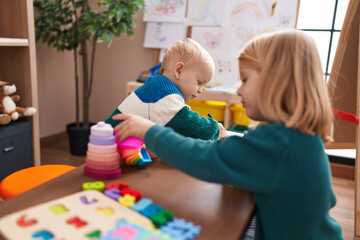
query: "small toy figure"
8, 109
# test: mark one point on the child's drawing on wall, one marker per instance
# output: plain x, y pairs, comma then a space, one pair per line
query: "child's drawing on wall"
205, 12
163, 35
165, 10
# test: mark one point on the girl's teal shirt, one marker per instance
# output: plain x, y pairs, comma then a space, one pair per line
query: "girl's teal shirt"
288, 172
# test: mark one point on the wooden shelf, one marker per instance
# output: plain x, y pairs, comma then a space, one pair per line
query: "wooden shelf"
18, 59
14, 42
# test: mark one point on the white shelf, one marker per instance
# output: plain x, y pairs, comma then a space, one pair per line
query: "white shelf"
14, 42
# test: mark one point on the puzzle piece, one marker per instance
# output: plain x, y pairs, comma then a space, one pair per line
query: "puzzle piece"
145, 158
151, 210
162, 217
132, 192
113, 193
98, 186
127, 200
181, 229
116, 185
141, 204
128, 231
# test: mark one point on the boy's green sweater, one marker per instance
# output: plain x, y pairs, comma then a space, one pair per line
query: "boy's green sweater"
287, 171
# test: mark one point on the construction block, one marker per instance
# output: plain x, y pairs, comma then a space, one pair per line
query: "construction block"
151, 210
181, 229
132, 192
141, 204
162, 218
113, 193
98, 186
127, 200
145, 158
116, 185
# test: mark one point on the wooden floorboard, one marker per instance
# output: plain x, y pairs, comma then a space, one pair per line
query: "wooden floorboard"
343, 212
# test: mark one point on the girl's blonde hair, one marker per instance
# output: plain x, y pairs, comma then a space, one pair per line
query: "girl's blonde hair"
188, 51
292, 88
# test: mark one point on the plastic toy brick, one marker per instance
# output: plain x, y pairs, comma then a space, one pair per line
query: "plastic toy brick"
98, 186
145, 158
141, 204
113, 193
116, 185
132, 192
127, 200
151, 210
127, 231
181, 229
162, 217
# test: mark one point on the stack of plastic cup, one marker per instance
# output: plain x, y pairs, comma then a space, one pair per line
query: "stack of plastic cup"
102, 158
131, 152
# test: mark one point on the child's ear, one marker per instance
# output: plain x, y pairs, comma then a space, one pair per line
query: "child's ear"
179, 67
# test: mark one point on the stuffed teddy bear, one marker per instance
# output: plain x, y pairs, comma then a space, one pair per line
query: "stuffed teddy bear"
8, 109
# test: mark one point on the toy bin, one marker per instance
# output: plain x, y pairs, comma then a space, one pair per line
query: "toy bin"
216, 109
16, 147
241, 121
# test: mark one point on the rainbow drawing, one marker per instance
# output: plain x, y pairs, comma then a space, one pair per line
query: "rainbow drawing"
205, 13
240, 8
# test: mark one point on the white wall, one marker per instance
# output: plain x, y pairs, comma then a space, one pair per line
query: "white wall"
114, 66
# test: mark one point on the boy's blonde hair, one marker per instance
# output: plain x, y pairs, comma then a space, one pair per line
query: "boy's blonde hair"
292, 88
188, 51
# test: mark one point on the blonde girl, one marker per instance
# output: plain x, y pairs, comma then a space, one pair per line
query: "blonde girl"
282, 161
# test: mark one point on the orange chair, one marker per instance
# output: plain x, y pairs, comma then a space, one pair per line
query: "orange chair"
28, 178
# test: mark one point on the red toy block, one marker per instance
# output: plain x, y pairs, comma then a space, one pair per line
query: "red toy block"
116, 185
132, 192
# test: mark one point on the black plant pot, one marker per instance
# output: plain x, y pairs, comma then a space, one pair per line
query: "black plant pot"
78, 138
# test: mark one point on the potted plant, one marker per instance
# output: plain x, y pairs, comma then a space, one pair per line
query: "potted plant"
72, 25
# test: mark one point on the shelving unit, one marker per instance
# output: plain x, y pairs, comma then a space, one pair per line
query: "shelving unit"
18, 58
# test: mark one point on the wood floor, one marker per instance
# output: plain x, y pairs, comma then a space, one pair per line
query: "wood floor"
343, 212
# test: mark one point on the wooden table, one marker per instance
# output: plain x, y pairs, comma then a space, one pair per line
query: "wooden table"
221, 211
227, 98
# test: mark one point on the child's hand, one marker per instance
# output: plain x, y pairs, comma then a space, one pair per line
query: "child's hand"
131, 125
223, 132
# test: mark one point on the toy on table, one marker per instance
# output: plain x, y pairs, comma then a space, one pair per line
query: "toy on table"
102, 158
83, 215
131, 152
92, 215
163, 219
8, 109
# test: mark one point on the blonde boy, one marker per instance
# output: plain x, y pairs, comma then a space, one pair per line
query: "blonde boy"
186, 68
